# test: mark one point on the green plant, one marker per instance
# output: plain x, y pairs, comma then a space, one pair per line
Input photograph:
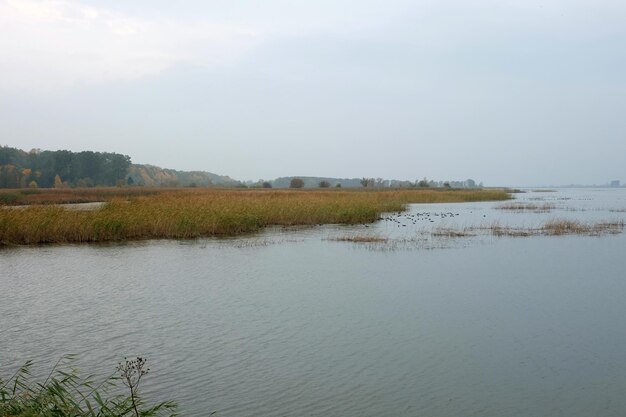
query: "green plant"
8, 198
64, 393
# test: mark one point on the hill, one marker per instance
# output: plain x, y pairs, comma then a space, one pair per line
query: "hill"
62, 168
151, 175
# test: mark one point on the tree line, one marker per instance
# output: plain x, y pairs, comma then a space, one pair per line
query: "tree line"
36, 168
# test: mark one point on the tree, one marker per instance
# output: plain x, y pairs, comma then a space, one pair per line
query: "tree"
423, 183
57, 182
296, 183
9, 176
367, 182
25, 179
267, 184
324, 184
338, 185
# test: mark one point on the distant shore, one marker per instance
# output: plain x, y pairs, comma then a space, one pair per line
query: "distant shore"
155, 213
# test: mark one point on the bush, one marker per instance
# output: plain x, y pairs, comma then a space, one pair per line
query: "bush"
9, 198
296, 183
324, 184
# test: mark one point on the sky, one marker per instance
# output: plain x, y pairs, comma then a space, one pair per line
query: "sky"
509, 92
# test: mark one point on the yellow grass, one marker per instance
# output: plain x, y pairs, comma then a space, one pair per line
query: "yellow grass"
558, 227
190, 213
568, 227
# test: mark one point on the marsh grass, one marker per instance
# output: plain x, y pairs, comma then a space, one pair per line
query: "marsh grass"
360, 239
554, 227
560, 227
74, 195
192, 213
522, 207
452, 232
64, 393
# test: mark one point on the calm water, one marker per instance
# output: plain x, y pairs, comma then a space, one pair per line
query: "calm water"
292, 323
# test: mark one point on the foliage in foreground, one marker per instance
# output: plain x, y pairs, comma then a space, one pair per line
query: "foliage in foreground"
64, 393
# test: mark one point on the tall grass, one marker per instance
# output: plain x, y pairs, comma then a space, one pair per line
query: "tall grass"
195, 213
71, 195
64, 393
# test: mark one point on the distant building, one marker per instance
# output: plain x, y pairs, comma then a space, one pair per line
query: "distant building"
615, 183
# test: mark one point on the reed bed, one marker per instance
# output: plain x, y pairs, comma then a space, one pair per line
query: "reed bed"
536, 208
559, 227
74, 195
452, 232
360, 239
192, 213
554, 227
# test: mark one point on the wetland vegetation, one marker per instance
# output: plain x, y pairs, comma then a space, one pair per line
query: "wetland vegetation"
67, 393
131, 214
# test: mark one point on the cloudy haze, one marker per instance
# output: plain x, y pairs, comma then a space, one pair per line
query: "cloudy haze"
505, 92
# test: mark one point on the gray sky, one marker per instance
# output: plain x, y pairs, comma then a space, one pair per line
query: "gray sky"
505, 92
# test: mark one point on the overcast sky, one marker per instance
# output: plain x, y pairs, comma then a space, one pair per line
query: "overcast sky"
507, 92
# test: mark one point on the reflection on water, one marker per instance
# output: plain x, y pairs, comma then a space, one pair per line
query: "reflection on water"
290, 322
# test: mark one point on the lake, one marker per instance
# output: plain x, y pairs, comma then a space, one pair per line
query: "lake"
292, 322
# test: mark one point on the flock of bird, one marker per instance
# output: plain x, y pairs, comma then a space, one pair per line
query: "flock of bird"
402, 219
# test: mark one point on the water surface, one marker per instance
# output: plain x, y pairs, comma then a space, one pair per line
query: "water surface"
292, 323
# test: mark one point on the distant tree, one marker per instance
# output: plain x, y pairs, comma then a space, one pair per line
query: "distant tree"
57, 181
296, 183
367, 182
9, 176
267, 184
338, 185
25, 177
324, 184
470, 183
423, 183
380, 182
446, 185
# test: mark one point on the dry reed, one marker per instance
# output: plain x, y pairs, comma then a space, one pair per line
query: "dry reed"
537, 208
192, 213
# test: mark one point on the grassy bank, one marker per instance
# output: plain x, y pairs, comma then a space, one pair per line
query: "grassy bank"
190, 213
